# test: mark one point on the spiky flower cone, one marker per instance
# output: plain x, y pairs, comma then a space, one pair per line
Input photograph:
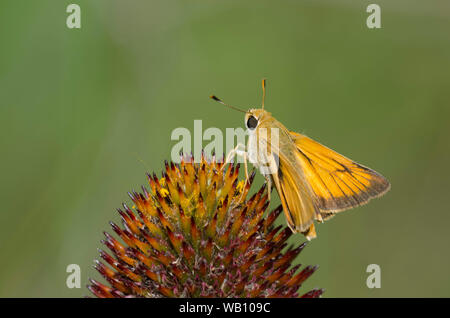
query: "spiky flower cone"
194, 234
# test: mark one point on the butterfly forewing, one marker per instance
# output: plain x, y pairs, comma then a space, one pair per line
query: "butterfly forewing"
337, 182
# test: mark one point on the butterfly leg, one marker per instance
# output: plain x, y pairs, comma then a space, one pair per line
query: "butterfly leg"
238, 150
269, 185
244, 155
245, 166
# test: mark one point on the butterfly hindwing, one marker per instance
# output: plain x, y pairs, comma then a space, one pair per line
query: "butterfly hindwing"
298, 205
293, 190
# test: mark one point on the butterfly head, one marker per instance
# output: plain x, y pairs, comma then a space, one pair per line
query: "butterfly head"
253, 117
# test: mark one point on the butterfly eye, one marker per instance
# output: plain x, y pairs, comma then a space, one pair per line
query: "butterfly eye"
252, 122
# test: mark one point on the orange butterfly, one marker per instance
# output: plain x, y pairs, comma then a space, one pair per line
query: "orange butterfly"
313, 181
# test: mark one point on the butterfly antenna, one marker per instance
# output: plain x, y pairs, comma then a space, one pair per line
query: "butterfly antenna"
264, 91
220, 101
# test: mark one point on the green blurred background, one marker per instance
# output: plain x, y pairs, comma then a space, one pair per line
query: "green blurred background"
85, 113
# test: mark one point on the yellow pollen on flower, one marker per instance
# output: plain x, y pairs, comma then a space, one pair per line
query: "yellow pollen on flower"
162, 181
240, 186
164, 192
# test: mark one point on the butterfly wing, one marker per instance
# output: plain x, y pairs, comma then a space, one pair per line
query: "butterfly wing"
298, 205
293, 189
337, 183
